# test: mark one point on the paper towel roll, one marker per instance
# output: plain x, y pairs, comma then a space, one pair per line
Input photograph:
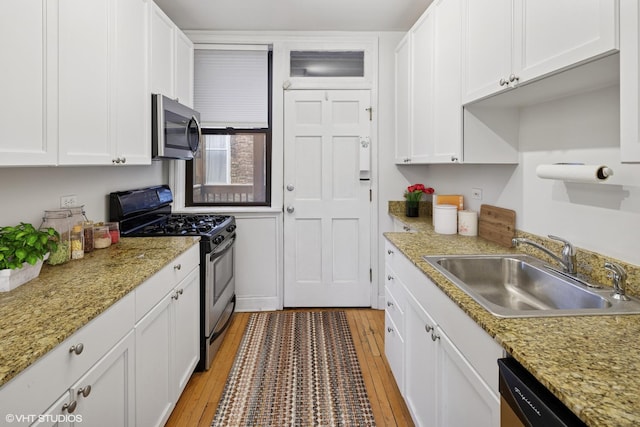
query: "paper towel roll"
445, 219
574, 172
468, 223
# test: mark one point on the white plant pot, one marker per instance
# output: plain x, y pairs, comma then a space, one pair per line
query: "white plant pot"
11, 279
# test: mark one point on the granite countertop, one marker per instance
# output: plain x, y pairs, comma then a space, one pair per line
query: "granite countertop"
591, 363
42, 313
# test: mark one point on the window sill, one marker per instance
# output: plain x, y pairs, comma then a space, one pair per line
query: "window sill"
231, 209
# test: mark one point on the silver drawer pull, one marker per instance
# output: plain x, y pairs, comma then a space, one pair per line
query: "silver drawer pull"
389, 304
428, 328
389, 277
77, 349
70, 407
177, 266
434, 336
389, 251
84, 391
389, 329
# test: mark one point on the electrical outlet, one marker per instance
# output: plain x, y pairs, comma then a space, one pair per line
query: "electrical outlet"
68, 201
476, 193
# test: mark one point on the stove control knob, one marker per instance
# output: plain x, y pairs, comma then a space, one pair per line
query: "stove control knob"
218, 240
231, 228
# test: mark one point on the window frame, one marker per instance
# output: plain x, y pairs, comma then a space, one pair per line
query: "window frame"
267, 132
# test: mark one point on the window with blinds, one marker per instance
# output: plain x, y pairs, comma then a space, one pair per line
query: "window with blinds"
232, 93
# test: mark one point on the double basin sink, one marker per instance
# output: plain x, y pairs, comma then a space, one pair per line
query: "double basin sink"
514, 285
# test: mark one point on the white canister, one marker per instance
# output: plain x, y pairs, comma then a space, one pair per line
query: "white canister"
445, 219
468, 223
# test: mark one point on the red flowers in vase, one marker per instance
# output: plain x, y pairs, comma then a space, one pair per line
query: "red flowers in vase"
414, 192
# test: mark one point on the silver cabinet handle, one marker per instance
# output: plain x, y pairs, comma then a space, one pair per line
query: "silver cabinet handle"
70, 407
84, 391
434, 336
428, 328
177, 266
454, 159
514, 78
290, 187
389, 329
389, 304
389, 251
406, 228
176, 295
181, 291
77, 349
389, 277
503, 82
290, 209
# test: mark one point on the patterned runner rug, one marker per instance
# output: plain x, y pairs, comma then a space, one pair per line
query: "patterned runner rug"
295, 369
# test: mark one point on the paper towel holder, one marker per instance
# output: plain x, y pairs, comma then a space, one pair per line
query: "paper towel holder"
578, 172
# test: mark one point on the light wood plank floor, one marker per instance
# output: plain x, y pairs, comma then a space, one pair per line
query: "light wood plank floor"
199, 401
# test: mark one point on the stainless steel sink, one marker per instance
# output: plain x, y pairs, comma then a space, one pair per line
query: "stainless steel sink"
523, 286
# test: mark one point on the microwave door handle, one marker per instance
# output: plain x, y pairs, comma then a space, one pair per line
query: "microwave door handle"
195, 122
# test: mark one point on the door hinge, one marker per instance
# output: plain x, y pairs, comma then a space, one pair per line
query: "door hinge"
371, 275
370, 110
370, 195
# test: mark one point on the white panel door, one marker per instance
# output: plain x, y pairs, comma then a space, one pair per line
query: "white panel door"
327, 206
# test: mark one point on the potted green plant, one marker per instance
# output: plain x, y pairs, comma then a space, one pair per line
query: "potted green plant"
23, 248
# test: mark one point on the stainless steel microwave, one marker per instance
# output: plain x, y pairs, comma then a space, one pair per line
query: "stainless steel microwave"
175, 129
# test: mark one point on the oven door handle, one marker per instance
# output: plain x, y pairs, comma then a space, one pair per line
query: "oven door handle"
219, 252
215, 335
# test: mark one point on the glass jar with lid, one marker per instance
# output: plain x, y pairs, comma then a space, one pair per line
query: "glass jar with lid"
78, 215
101, 237
60, 220
77, 242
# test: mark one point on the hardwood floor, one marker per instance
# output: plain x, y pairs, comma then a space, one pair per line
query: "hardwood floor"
199, 401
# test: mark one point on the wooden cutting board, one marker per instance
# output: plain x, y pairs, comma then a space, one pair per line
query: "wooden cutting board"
497, 224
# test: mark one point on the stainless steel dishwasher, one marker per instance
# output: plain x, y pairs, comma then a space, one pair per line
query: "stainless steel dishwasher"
524, 401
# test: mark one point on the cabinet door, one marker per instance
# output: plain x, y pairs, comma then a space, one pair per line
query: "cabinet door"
422, 87
394, 351
487, 37
552, 35
446, 142
27, 85
184, 69
465, 399
132, 105
421, 361
105, 395
187, 329
629, 79
403, 100
162, 53
84, 65
154, 382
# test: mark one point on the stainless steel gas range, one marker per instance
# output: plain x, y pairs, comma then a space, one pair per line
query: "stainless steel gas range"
147, 212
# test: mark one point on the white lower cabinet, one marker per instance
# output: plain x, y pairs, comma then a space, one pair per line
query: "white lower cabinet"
449, 372
127, 367
167, 351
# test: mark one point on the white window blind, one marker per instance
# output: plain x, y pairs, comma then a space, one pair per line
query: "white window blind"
231, 86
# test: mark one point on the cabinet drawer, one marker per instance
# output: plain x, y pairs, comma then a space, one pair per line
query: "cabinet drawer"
157, 286
390, 252
37, 387
392, 309
393, 285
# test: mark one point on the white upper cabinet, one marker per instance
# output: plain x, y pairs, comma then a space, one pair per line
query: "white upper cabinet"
171, 59
103, 111
629, 78
28, 85
403, 100
428, 107
519, 41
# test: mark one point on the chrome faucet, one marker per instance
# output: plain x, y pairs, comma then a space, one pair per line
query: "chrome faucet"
568, 259
619, 276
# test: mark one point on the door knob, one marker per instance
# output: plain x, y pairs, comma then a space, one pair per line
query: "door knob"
290, 187
290, 209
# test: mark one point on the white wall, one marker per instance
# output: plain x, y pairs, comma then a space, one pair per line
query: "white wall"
584, 128
27, 192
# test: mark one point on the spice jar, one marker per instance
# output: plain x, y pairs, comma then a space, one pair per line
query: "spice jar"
114, 231
87, 227
60, 221
77, 242
101, 237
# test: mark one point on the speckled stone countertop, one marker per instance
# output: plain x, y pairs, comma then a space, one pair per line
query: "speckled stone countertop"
42, 313
591, 363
